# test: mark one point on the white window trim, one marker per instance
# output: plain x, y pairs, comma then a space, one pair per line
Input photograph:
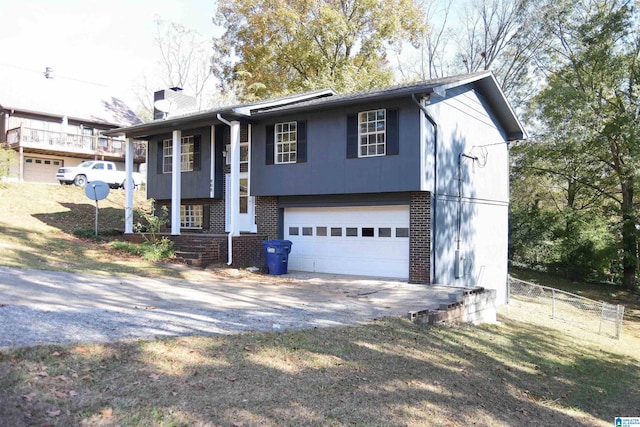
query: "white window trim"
187, 145
362, 120
292, 155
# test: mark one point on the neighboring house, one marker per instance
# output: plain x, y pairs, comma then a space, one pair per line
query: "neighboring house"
53, 122
409, 182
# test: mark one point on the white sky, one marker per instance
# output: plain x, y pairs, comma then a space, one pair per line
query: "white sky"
109, 42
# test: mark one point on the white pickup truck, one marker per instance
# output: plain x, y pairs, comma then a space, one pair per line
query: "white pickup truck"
96, 170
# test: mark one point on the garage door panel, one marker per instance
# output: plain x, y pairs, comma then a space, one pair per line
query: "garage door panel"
369, 251
37, 169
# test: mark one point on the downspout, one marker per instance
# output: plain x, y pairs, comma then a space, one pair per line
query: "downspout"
434, 205
231, 219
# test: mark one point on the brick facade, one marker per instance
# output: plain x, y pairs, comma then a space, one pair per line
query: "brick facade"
216, 216
420, 238
267, 216
248, 251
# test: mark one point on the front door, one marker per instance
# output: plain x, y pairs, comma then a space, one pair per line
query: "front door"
246, 217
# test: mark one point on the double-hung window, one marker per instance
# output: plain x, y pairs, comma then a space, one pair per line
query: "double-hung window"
187, 154
286, 142
372, 127
191, 216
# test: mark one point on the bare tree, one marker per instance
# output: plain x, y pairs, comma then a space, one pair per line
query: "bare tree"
503, 36
430, 60
185, 61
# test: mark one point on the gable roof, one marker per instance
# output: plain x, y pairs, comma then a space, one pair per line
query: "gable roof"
484, 82
31, 92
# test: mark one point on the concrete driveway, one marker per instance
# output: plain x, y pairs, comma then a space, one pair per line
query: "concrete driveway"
47, 307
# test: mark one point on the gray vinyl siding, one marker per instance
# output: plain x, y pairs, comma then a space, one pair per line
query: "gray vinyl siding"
195, 184
327, 169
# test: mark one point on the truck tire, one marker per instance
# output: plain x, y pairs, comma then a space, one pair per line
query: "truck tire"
80, 181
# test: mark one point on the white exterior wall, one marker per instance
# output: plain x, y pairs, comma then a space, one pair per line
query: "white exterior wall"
464, 126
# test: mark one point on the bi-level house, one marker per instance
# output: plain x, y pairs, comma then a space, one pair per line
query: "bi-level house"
407, 182
54, 122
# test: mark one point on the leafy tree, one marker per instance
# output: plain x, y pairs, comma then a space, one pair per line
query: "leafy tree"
591, 111
276, 47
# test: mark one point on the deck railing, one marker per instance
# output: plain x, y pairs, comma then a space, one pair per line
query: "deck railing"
70, 142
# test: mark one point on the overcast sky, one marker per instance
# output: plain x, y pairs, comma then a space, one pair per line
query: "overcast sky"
108, 42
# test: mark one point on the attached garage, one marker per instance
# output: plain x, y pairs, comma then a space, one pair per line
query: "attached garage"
40, 169
363, 240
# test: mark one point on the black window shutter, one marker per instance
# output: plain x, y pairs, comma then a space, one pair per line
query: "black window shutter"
206, 217
270, 145
160, 164
393, 133
301, 143
196, 152
352, 137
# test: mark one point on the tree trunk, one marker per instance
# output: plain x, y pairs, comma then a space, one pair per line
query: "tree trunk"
629, 239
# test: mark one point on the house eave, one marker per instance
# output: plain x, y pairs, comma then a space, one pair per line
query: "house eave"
13, 110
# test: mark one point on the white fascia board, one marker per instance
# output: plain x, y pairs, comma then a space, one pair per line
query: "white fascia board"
246, 110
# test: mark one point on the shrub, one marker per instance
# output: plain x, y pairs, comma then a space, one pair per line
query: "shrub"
154, 223
150, 251
158, 250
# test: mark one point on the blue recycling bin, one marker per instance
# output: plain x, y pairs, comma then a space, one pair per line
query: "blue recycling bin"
277, 255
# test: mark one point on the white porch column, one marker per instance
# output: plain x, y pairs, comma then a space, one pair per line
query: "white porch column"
128, 187
176, 182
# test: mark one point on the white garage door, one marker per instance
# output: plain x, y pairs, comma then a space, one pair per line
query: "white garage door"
38, 169
369, 241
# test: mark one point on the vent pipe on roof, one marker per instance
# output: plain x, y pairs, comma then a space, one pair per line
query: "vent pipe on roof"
48, 72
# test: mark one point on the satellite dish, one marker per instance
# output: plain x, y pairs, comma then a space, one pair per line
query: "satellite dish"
97, 190
164, 106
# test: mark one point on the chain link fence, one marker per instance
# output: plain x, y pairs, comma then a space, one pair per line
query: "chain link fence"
594, 316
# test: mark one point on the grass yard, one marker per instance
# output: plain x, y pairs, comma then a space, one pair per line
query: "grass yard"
38, 223
525, 372
391, 373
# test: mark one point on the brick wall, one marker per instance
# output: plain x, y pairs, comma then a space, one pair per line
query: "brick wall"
216, 216
420, 238
248, 251
267, 216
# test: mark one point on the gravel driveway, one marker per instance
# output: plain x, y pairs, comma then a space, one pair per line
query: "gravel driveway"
48, 307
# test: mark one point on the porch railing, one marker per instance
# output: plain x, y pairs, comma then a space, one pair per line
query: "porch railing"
70, 142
